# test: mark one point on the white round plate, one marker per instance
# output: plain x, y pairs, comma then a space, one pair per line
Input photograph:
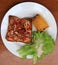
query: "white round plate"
26, 9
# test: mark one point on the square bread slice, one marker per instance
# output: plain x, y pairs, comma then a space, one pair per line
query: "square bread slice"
19, 30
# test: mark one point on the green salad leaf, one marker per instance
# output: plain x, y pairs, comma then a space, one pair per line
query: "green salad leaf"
27, 50
48, 43
32, 49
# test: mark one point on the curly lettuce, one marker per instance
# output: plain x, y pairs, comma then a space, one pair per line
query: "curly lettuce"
38, 38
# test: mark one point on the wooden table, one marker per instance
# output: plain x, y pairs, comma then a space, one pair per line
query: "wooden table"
7, 58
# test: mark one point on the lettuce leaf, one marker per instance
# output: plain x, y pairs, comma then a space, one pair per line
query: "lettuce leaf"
32, 49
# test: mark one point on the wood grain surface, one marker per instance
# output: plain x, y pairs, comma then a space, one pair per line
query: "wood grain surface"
7, 58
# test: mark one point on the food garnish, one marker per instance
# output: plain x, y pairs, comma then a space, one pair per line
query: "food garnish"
39, 38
